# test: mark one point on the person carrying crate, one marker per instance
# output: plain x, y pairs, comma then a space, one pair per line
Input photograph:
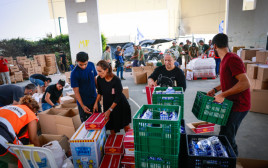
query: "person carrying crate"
234, 85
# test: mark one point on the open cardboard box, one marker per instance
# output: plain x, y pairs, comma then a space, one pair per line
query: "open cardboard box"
70, 105
201, 127
67, 100
47, 120
62, 139
251, 163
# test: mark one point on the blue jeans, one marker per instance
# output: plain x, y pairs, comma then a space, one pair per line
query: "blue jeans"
230, 129
141, 62
218, 62
135, 63
46, 106
120, 69
37, 82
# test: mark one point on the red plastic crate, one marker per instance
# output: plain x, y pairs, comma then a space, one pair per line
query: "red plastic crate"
114, 144
110, 161
96, 121
128, 161
149, 94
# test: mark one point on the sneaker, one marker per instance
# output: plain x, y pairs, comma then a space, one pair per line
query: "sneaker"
123, 79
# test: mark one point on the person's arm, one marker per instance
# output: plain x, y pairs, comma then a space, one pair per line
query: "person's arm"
141, 56
47, 99
61, 59
182, 81
15, 102
214, 90
95, 107
240, 86
32, 128
152, 78
79, 99
5, 62
17, 94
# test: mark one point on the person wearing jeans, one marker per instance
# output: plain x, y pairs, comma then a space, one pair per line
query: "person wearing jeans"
119, 62
234, 85
40, 80
135, 57
4, 71
51, 97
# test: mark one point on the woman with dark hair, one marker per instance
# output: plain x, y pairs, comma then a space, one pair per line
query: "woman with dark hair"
116, 107
18, 125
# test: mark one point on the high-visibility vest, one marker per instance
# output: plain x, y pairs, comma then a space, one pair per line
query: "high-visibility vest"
12, 119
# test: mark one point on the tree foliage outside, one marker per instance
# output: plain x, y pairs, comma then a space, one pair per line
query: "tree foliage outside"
21, 47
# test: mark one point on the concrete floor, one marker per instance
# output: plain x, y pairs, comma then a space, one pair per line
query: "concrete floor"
251, 137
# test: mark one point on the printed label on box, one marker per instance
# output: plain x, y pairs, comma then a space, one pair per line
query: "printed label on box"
83, 151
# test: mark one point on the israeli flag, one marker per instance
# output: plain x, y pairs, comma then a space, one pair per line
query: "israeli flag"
139, 35
221, 27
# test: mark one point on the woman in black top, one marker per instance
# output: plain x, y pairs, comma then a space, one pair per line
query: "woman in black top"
168, 75
116, 107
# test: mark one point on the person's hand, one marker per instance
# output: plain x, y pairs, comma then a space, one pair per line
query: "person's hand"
151, 83
107, 114
86, 109
219, 98
131, 57
211, 92
95, 108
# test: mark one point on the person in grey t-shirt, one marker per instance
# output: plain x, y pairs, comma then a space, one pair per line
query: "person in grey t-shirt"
11, 94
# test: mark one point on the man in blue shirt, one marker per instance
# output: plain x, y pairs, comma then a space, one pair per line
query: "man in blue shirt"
83, 82
119, 64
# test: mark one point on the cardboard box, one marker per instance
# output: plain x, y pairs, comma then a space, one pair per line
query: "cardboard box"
252, 83
62, 139
38, 70
140, 77
96, 121
68, 122
201, 127
247, 54
235, 48
261, 84
129, 140
252, 71
68, 77
70, 105
47, 120
111, 161
126, 91
259, 101
263, 73
246, 62
114, 144
250, 163
14, 68
136, 69
67, 100
86, 147
128, 161
262, 56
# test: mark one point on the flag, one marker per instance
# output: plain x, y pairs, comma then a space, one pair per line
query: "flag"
221, 27
139, 35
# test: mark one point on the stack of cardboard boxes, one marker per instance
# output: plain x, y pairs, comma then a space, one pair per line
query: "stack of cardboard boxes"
12, 71
257, 73
50, 64
140, 74
40, 59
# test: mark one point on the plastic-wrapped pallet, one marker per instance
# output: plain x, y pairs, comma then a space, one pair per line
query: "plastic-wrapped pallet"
198, 63
204, 73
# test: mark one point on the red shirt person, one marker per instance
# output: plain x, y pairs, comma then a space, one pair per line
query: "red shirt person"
234, 86
4, 70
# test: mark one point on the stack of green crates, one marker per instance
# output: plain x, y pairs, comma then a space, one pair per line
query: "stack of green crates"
206, 109
169, 99
157, 142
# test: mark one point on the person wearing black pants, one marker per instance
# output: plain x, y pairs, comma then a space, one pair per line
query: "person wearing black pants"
63, 61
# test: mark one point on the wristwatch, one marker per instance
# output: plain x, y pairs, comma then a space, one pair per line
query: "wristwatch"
215, 90
111, 109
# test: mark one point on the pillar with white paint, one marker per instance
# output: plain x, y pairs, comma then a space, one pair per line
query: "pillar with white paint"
83, 27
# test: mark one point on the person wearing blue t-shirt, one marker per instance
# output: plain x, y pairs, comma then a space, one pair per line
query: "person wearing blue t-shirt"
83, 82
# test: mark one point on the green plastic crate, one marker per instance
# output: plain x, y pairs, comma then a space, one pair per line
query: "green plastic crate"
155, 135
178, 98
152, 160
206, 110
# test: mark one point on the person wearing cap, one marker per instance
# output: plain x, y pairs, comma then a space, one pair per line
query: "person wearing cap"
51, 97
40, 80
193, 51
234, 86
11, 94
205, 47
168, 75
